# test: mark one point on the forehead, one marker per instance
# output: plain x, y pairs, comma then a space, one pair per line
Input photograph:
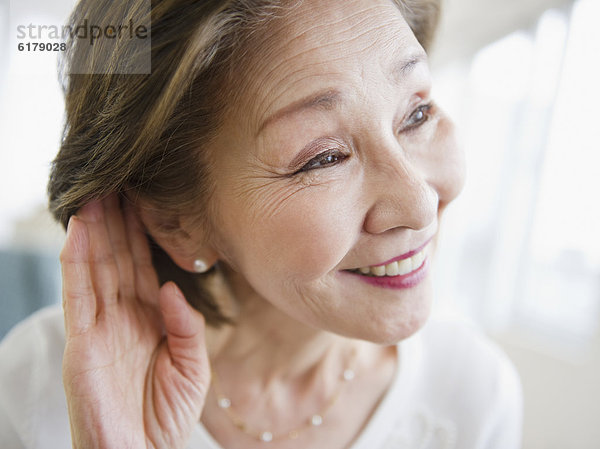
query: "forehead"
319, 45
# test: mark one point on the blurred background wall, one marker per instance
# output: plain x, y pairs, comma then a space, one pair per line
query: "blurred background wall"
520, 253
521, 250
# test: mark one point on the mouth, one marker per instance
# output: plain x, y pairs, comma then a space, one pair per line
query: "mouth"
403, 272
399, 266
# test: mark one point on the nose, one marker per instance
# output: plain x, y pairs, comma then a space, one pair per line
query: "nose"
399, 193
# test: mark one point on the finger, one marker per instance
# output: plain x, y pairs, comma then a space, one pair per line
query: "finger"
105, 274
185, 329
115, 225
79, 301
146, 280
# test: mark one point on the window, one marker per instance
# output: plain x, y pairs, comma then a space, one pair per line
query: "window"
526, 227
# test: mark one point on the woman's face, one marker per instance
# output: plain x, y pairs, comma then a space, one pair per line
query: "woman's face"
333, 162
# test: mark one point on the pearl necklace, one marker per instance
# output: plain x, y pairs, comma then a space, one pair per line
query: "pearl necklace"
266, 436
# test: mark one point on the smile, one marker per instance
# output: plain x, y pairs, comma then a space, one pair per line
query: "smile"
401, 266
403, 272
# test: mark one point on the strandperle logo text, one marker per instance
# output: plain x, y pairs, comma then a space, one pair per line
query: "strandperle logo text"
83, 31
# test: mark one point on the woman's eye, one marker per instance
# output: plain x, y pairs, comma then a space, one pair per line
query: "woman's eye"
323, 160
418, 117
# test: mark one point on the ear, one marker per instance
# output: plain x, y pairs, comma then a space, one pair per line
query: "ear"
182, 245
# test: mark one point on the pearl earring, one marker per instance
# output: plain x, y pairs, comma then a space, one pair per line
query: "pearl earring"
200, 266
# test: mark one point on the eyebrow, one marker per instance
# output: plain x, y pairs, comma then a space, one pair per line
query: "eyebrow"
326, 100
330, 99
404, 67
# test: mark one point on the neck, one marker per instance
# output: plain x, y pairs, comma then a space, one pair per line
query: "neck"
278, 373
269, 345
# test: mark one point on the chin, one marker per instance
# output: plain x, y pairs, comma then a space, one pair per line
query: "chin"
388, 326
393, 333
398, 320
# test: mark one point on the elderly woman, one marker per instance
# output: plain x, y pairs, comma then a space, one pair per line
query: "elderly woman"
280, 176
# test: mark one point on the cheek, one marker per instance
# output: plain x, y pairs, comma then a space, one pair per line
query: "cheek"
300, 239
316, 232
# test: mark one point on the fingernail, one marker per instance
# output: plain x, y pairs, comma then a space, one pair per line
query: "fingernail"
70, 224
178, 291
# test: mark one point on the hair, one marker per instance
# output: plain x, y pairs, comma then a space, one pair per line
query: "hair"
143, 135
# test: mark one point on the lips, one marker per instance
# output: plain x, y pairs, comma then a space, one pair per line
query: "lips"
400, 266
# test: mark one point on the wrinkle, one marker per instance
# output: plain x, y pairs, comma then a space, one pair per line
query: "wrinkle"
277, 51
286, 61
264, 197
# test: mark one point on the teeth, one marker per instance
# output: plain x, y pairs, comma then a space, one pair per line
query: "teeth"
398, 268
417, 260
379, 270
405, 266
391, 269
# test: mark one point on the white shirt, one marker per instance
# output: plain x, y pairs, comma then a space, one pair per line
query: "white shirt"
452, 389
